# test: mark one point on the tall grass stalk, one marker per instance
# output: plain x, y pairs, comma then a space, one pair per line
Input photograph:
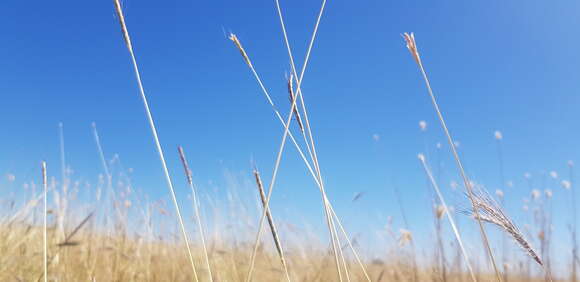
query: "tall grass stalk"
196, 209
406, 224
45, 223
573, 227
449, 217
411, 45
110, 192
273, 229
499, 140
127, 39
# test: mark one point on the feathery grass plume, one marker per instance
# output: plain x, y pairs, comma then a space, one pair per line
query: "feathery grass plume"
412, 46
489, 211
292, 97
306, 162
273, 229
446, 211
127, 39
196, 208
45, 223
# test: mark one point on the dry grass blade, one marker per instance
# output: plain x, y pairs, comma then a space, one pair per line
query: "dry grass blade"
196, 208
127, 38
66, 243
490, 212
77, 229
412, 46
271, 221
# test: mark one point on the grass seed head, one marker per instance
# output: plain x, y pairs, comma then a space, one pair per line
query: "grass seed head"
238, 44
566, 184
489, 211
412, 46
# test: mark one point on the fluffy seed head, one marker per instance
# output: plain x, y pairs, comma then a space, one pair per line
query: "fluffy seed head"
421, 157
566, 184
548, 193
423, 125
412, 46
439, 211
497, 134
405, 237
536, 194
499, 193
554, 174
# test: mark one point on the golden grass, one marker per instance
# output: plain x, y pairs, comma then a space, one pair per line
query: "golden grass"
138, 260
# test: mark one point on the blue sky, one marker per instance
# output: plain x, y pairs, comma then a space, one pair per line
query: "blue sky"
495, 65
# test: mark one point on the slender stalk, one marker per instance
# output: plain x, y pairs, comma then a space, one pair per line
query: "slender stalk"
62, 154
196, 208
411, 45
499, 137
271, 222
154, 131
572, 227
45, 216
451, 220
110, 194
406, 224
62, 206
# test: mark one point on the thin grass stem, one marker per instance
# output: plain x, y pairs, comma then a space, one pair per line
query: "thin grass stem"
411, 45
196, 209
446, 211
45, 224
154, 132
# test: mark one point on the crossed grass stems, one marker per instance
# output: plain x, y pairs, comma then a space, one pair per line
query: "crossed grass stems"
331, 218
305, 130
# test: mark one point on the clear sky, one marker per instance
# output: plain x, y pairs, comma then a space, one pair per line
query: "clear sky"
495, 65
